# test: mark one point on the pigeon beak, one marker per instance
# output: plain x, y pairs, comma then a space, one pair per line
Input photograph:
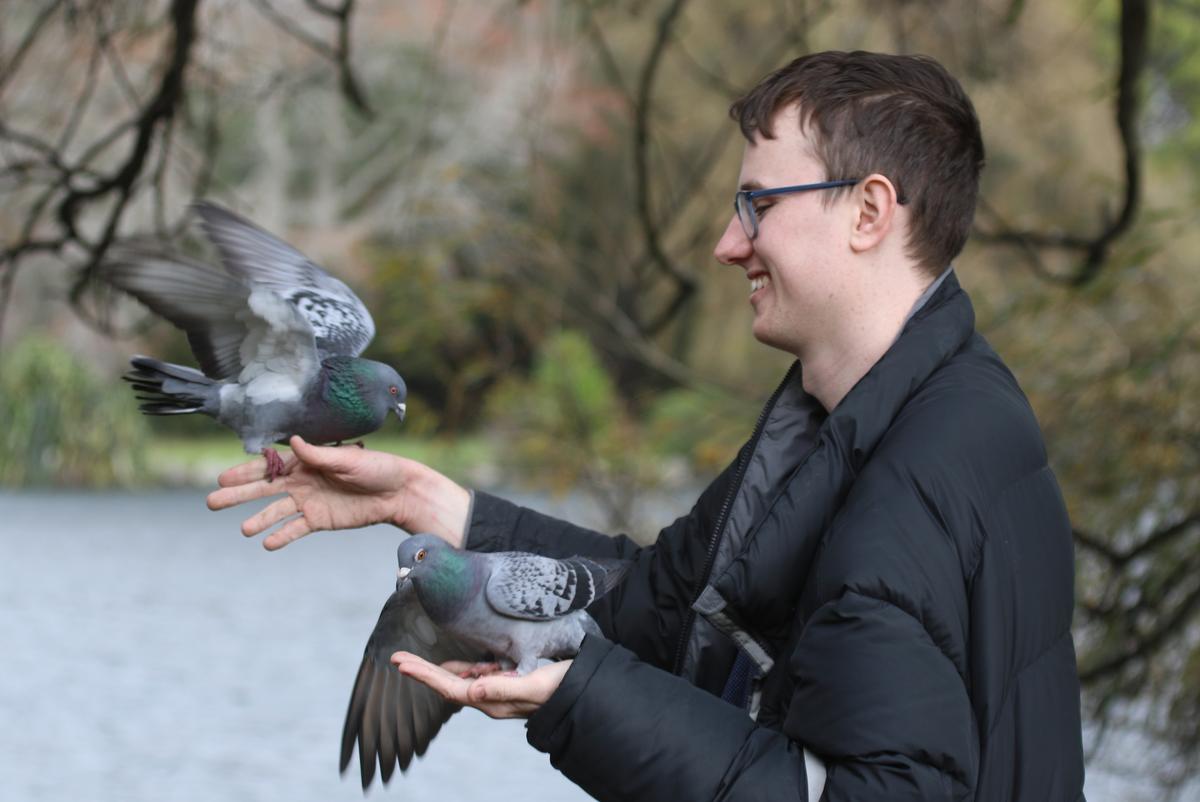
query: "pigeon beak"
402, 573
400, 410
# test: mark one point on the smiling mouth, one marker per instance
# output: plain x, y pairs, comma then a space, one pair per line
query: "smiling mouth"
758, 282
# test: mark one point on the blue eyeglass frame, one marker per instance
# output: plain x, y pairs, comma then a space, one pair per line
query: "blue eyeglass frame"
743, 200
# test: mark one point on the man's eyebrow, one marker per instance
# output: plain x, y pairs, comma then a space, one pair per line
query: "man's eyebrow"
751, 185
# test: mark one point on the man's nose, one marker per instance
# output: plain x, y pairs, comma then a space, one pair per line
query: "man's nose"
734, 246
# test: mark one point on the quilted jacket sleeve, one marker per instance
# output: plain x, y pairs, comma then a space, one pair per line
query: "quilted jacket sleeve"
874, 698
623, 730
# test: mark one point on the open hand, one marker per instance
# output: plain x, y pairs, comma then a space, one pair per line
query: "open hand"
339, 488
484, 687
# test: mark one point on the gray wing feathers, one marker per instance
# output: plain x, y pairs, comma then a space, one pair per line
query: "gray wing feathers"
540, 588
207, 304
340, 321
390, 716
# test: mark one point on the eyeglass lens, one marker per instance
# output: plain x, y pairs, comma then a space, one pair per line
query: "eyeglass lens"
745, 213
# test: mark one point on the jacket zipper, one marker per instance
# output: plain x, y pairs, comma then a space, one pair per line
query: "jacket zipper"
722, 518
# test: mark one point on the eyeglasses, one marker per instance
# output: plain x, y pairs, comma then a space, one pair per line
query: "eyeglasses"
743, 200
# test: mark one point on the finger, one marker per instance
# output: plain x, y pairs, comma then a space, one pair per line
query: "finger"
447, 685
240, 474
500, 688
292, 530
266, 518
328, 457
239, 494
252, 470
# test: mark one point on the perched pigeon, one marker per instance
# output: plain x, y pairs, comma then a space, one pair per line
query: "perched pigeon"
462, 605
277, 338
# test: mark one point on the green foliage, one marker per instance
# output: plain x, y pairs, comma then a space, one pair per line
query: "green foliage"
703, 428
564, 423
567, 427
62, 425
449, 332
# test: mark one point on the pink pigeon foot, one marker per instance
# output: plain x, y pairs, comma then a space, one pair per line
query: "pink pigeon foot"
275, 466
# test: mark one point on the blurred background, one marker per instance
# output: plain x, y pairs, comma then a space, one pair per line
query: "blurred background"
526, 195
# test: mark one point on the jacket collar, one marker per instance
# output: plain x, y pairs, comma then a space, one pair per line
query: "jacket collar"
762, 583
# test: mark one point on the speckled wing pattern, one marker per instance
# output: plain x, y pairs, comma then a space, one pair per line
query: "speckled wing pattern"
340, 322
393, 717
540, 588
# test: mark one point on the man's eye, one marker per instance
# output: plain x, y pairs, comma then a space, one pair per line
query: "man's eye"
761, 209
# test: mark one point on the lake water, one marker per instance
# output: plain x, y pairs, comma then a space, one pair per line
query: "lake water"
153, 653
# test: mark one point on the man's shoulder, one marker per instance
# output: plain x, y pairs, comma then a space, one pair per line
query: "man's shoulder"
969, 418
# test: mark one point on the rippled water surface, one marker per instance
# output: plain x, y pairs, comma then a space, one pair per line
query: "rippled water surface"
153, 653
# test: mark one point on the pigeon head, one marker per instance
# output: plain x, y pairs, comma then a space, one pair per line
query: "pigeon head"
387, 389
420, 556
365, 389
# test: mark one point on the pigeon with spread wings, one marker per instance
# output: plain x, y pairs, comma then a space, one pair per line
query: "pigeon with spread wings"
277, 338
452, 604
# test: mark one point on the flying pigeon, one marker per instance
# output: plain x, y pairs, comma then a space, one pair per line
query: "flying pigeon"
277, 338
452, 604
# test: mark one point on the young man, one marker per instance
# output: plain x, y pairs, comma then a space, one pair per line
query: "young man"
874, 600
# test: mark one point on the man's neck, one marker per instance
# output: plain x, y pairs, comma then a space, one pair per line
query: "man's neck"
832, 368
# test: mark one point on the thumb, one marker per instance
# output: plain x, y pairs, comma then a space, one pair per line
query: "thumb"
498, 688
317, 456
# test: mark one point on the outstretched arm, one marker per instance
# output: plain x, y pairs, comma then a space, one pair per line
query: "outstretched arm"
344, 488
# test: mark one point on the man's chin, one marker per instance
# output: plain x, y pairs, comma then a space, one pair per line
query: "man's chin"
766, 336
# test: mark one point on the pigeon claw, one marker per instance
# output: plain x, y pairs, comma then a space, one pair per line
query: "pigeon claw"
275, 466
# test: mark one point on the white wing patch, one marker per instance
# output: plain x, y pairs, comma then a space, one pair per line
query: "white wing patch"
279, 352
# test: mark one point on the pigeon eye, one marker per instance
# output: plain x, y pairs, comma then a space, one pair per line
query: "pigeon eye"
393, 390
420, 555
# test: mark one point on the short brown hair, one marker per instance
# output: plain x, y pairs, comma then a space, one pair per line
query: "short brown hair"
903, 116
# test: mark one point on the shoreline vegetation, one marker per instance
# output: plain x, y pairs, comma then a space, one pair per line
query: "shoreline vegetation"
180, 461
564, 428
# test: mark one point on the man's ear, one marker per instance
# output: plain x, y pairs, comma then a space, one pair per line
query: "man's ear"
874, 212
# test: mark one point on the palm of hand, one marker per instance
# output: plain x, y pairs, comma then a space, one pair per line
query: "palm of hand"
331, 488
338, 497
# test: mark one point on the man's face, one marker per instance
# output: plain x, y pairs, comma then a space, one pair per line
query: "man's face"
796, 286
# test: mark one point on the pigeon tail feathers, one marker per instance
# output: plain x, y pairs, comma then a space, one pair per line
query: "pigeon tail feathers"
168, 389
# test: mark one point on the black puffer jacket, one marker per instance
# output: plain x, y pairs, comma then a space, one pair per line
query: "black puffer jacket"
900, 571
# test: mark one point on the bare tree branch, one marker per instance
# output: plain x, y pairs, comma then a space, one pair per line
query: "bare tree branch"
1152, 542
339, 54
9, 69
1144, 645
158, 112
65, 193
684, 285
1134, 34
